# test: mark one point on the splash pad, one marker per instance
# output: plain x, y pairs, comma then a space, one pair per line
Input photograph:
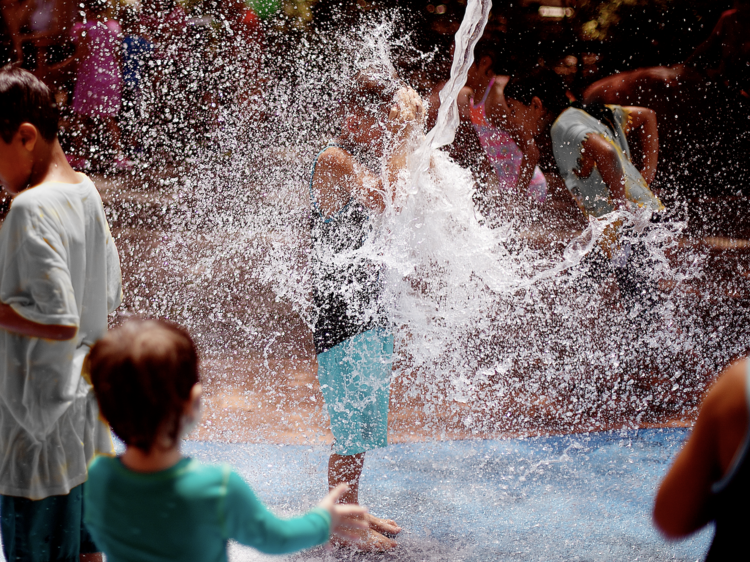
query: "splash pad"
501, 332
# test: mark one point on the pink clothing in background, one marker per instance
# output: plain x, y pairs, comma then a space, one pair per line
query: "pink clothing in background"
98, 89
504, 154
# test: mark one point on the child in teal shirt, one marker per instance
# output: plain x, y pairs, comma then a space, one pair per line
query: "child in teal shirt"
152, 504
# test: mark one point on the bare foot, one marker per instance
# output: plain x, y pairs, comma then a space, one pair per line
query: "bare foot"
384, 526
369, 541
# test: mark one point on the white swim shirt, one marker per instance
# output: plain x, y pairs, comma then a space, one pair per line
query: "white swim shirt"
58, 266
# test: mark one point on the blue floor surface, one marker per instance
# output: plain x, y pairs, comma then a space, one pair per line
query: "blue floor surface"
571, 497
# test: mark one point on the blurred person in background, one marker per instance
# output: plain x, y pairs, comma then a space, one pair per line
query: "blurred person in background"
136, 54
97, 95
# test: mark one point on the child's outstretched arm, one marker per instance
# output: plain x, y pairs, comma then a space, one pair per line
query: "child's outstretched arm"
11, 321
344, 516
681, 505
249, 522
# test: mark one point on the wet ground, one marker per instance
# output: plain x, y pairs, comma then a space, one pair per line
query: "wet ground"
260, 377
576, 497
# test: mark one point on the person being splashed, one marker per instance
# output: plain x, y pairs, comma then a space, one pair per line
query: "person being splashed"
353, 344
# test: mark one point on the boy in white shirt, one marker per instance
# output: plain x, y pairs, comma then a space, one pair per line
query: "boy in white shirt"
59, 279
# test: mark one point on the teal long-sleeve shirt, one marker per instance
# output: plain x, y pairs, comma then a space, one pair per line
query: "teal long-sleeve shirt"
187, 513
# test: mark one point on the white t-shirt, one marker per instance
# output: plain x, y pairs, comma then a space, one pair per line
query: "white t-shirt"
58, 265
568, 134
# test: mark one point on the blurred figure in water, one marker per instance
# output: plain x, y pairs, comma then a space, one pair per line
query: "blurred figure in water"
489, 151
171, 89
353, 341
14, 14
710, 478
591, 150
725, 55
241, 43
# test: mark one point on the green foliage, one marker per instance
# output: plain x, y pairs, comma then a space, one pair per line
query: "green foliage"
597, 19
264, 8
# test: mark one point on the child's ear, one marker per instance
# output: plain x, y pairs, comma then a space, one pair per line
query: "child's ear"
536, 103
196, 394
29, 135
485, 65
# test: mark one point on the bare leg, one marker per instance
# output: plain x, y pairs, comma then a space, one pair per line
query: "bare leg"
348, 469
92, 557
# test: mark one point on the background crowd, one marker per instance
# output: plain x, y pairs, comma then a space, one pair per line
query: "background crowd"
138, 77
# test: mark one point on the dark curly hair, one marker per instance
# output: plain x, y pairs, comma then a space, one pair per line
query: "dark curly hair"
540, 82
142, 374
26, 99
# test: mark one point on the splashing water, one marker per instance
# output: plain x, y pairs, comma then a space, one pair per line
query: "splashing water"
502, 328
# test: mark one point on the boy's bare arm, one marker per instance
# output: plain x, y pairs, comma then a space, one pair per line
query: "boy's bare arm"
406, 124
11, 321
682, 500
642, 122
598, 152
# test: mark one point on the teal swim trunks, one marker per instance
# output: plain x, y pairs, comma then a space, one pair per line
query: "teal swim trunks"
355, 377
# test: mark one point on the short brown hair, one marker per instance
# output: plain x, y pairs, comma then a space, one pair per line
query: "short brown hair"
142, 374
26, 99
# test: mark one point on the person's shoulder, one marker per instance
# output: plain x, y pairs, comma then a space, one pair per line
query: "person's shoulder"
465, 93
102, 466
208, 474
209, 480
31, 200
102, 462
565, 120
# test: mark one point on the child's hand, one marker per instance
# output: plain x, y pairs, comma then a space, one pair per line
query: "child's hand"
408, 111
345, 517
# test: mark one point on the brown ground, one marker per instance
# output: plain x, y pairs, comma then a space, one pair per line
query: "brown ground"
272, 395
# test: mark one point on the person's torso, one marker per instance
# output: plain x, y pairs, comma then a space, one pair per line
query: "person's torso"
72, 219
346, 284
503, 153
568, 133
59, 266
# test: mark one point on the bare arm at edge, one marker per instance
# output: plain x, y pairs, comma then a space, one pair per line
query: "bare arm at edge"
11, 321
682, 500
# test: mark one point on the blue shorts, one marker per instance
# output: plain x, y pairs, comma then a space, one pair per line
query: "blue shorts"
47, 529
355, 377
